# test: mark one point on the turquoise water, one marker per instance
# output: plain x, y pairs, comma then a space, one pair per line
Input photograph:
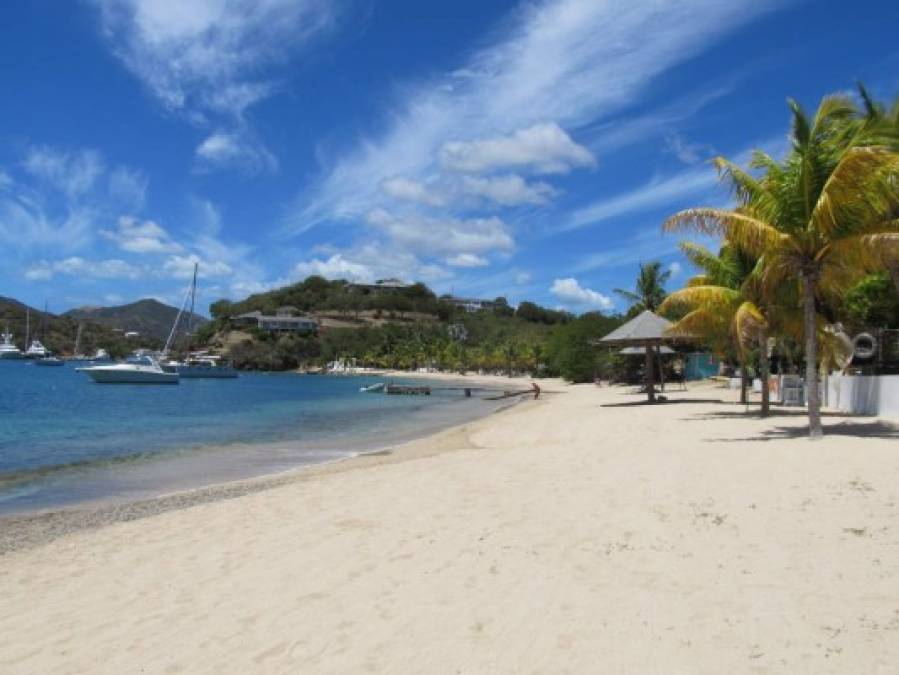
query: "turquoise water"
66, 440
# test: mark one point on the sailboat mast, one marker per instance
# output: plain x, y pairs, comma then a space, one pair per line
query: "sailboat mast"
27, 325
190, 317
78, 338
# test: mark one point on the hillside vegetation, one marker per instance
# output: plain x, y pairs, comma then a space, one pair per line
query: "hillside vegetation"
148, 317
410, 328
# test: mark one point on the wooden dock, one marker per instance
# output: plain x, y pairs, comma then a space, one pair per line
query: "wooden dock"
408, 390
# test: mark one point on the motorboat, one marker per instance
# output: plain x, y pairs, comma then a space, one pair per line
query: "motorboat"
375, 388
200, 367
143, 371
8, 349
49, 360
36, 350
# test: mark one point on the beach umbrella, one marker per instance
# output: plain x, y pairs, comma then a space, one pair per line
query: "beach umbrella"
645, 334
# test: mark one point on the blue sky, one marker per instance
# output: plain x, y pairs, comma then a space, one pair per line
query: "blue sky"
529, 150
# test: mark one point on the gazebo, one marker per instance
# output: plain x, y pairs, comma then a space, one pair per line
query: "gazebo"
644, 334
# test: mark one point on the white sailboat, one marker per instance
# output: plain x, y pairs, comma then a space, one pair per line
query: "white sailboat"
36, 350
199, 365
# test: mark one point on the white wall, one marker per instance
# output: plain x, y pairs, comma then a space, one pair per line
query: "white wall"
864, 394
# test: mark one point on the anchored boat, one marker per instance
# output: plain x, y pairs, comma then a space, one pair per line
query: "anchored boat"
144, 371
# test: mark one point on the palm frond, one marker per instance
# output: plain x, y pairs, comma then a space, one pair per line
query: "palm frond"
746, 322
861, 189
740, 229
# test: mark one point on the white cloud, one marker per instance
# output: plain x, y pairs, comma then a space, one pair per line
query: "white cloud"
542, 148
571, 293
669, 193
206, 55
407, 190
467, 260
511, 190
182, 267
370, 261
28, 221
77, 266
335, 267
648, 244
568, 62
234, 149
655, 193
675, 269
59, 197
686, 151
522, 278
444, 236
138, 236
73, 173
128, 188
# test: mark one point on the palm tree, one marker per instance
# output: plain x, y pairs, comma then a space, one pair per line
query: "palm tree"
650, 290
724, 304
820, 219
878, 117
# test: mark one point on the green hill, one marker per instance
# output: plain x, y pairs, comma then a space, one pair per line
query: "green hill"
58, 333
150, 318
407, 327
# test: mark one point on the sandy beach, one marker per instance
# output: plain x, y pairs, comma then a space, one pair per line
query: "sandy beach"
578, 533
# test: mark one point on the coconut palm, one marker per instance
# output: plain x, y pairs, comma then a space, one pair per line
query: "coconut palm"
650, 290
820, 219
725, 307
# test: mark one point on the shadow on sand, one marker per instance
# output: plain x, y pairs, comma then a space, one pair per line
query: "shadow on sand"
671, 401
872, 429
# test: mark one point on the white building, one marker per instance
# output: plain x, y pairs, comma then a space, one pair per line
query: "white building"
282, 322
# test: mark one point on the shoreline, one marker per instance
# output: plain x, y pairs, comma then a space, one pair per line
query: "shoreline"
687, 537
31, 529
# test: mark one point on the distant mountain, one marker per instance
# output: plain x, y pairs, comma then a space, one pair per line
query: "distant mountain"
58, 333
150, 318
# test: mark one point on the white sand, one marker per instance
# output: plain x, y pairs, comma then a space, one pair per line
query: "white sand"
557, 537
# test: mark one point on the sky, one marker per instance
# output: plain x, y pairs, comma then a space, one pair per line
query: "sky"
487, 148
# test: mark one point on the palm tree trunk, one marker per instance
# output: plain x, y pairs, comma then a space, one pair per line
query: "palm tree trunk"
650, 376
763, 369
894, 273
744, 382
811, 358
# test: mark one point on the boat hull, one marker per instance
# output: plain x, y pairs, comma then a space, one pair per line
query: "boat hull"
112, 375
201, 372
11, 356
49, 362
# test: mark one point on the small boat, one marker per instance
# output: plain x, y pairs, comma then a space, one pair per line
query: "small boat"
36, 350
376, 388
8, 349
49, 360
145, 371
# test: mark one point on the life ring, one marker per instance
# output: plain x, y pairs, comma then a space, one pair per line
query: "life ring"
864, 346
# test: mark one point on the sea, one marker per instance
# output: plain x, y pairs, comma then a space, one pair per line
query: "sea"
66, 441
